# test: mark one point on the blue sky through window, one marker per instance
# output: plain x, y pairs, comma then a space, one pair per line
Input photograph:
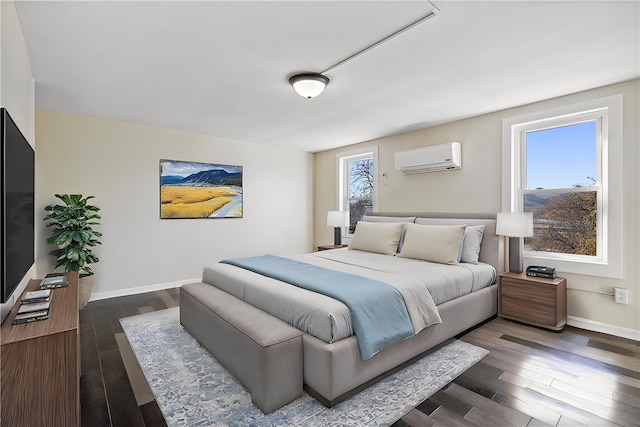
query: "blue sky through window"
561, 157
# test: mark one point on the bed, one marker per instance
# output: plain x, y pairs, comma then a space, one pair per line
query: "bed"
444, 266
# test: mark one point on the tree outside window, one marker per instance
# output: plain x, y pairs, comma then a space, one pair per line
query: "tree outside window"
360, 185
357, 184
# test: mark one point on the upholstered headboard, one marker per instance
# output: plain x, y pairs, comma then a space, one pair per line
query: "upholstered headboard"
492, 247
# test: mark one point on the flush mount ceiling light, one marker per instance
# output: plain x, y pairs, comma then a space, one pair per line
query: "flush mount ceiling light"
310, 85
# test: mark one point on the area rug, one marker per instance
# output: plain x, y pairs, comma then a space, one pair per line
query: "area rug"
193, 389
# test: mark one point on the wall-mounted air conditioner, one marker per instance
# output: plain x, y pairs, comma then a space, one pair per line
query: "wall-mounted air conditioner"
429, 159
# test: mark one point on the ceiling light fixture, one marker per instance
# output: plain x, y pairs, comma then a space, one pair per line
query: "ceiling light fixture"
310, 85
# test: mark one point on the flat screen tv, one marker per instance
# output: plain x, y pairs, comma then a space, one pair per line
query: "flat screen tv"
17, 226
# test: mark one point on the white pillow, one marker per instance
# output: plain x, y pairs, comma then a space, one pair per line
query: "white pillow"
403, 219
377, 237
435, 243
470, 249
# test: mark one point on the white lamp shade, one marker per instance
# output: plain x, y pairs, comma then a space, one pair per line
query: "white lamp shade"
337, 219
309, 85
515, 224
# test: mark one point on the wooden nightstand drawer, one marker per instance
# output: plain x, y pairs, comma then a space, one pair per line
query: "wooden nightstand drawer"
527, 312
533, 292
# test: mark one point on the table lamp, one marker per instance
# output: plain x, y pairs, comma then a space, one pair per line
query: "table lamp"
337, 219
515, 225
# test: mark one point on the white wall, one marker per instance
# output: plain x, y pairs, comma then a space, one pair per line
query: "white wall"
16, 81
119, 164
16, 93
477, 188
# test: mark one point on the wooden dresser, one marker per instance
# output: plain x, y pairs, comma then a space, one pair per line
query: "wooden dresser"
40, 364
532, 300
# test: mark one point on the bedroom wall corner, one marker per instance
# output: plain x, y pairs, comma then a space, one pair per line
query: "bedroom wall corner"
470, 189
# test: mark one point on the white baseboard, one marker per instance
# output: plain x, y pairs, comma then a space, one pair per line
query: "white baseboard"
95, 296
592, 325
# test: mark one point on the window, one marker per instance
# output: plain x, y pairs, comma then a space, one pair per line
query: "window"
564, 166
561, 185
357, 184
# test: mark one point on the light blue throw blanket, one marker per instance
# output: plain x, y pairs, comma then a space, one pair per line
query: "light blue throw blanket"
378, 312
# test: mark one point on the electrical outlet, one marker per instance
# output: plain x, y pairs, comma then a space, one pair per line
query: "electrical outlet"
621, 295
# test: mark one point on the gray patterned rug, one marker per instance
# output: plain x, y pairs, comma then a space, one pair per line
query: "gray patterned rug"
193, 389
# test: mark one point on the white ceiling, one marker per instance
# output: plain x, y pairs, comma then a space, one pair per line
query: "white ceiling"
221, 68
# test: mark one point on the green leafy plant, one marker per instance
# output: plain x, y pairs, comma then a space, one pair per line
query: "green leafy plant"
73, 233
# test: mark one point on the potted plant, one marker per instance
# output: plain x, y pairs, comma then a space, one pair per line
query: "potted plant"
73, 234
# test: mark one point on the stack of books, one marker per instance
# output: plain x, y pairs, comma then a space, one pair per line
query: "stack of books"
53, 280
34, 306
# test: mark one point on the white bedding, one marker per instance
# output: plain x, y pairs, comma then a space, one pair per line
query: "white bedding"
422, 284
444, 282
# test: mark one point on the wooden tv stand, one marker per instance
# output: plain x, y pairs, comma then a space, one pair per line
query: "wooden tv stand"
40, 364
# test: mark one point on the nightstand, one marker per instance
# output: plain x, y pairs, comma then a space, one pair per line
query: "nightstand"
533, 300
329, 247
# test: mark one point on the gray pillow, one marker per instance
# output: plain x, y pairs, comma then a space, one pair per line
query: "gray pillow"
470, 249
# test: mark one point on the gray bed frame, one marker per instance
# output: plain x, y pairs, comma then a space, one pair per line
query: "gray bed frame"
334, 372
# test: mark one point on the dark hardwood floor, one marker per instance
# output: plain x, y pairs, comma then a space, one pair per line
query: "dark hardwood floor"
532, 377
107, 395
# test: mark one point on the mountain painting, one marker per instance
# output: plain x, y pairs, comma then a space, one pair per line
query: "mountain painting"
200, 190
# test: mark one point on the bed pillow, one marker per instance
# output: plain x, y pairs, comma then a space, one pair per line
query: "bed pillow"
435, 243
377, 237
403, 219
374, 218
470, 249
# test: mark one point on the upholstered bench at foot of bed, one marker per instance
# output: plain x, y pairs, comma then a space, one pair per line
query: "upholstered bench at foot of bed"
262, 352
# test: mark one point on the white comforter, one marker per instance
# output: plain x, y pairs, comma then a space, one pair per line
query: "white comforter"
422, 284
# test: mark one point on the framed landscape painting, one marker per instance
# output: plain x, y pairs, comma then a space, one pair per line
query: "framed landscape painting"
200, 190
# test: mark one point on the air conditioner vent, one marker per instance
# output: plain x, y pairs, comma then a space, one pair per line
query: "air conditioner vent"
429, 159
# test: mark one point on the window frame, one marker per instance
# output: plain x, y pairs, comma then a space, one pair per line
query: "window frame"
342, 161
600, 117
608, 114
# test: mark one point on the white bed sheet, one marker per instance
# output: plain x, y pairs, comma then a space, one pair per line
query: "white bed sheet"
444, 282
421, 284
